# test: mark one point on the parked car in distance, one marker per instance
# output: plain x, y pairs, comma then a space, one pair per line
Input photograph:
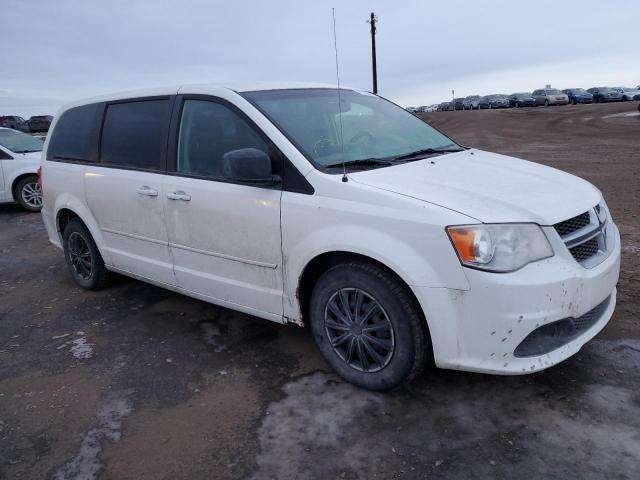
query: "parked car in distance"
578, 95
15, 122
392, 242
411, 109
457, 103
471, 102
39, 123
550, 96
494, 101
629, 93
522, 99
444, 107
19, 163
605, 94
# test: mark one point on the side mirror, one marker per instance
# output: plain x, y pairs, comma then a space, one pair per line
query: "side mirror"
248, 165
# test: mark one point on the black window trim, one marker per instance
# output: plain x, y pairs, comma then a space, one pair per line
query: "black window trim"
292, 179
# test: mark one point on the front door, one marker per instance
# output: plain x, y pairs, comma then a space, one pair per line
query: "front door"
124, 190
224, 237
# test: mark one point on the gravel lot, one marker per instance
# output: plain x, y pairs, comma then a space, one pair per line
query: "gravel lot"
135, 382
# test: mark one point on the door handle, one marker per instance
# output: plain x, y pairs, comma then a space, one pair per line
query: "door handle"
148, 191
179, 195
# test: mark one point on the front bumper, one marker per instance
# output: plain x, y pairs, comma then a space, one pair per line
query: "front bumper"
479, 329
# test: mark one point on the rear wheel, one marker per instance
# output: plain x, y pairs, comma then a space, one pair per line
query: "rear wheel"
28, 194
83, 258
546, 103
367, 326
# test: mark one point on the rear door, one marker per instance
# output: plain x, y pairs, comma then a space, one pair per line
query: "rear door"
224, 236
124, 190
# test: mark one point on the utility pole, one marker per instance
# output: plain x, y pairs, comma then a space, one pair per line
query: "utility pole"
373, 20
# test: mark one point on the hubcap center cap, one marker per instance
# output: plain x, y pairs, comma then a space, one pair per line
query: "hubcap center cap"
357, 330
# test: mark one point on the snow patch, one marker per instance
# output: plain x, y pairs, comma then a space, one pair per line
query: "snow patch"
86, 465
81, 349
315, 415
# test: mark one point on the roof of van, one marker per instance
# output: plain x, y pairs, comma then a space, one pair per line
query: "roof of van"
205, 87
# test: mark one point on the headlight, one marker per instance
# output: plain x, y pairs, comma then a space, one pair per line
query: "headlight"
499, 247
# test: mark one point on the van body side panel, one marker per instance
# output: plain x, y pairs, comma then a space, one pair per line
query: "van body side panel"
402, 233
225, 241
128, 208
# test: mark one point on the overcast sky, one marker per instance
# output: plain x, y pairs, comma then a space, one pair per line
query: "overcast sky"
58, 50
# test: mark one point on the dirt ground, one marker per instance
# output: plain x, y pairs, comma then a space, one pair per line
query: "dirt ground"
135, 382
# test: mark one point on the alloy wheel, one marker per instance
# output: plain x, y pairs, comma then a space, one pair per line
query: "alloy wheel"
80, 255
359, 330
32, 194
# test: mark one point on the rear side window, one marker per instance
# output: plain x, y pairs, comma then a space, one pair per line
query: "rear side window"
134, 134
75, 136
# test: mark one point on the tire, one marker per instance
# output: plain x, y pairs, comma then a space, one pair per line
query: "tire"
573, 102
399, 331
83, 258
28, 194
546, 103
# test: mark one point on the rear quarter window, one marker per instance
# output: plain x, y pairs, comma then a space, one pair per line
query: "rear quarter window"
75, 136
134, 134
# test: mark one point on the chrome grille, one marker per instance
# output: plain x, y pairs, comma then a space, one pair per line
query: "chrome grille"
584, 236
573, 224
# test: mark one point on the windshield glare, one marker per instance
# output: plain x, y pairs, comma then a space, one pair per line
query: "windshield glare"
19, 142
372, 128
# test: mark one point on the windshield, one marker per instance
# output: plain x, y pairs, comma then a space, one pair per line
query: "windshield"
19, 142
372, 128
606, 90
578, 90
553, 91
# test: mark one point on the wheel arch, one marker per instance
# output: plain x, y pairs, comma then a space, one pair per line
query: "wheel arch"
18, 179
69, 208
319, 264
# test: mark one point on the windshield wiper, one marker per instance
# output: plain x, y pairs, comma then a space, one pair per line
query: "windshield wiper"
426, 151
365, 162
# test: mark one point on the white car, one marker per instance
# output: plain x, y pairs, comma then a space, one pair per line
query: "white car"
19, 163
629, 93
339, 210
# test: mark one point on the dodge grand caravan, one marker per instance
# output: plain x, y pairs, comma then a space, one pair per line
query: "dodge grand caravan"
336, 209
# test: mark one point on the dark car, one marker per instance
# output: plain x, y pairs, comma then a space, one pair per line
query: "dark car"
522, 99
471, 102
605, 94
39, 123
14, 121
457, 103
494, 101
578, 95
445, 106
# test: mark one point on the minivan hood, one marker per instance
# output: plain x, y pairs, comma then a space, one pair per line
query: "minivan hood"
488, 187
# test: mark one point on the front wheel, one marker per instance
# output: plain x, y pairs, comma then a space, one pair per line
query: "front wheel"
367, 326
28, 194
546, 103
83, 258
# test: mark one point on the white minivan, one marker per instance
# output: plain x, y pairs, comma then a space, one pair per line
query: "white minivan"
19, 162
338, 209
